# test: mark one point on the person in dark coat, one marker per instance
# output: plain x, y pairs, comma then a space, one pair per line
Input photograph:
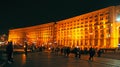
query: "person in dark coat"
99, 53
77, 52
91, 53
9, 51
68, 51
80, 52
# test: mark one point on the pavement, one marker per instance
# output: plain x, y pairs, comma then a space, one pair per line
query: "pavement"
112, 55
47, 59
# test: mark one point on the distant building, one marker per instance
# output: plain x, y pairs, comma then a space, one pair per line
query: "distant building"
98, 29
40, 34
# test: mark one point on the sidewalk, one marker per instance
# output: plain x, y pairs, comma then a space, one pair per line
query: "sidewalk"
34, 58
2, 60
102, 60
105, 59
3, 55
111, 55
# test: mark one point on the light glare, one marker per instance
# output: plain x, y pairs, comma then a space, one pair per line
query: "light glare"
118, 19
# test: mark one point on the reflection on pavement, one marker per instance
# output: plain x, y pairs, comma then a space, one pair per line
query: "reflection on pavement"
23, 58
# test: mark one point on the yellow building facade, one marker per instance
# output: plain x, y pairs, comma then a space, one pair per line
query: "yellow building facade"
40, 34
97, 29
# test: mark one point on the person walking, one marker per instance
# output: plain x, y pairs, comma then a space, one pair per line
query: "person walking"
80, 52
77, 52
9, 51
68, 51
99, 53
25, 48
91, 54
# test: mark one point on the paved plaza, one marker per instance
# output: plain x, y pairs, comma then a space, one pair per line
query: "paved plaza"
47, 59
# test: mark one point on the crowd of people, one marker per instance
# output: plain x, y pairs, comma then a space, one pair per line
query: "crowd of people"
65, 51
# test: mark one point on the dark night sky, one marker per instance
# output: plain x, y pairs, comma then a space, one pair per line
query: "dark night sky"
22, 13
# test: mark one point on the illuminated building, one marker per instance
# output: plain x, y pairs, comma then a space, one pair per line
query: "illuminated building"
40, 34
98, 29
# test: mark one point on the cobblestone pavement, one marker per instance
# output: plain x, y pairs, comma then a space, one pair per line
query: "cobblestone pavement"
47, 59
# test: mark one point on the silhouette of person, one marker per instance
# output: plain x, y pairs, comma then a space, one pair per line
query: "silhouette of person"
99, 53
68, 51
91, 53
25, 48
77, 52
9, 51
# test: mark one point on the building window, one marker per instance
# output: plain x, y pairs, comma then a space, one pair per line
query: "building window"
101, 14
101, 18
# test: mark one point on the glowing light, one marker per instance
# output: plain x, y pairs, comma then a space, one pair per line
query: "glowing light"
111, 24
49, 48
50, 43
91, 33
77, 46
108, 35
23, 58
24, 46
118, 18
